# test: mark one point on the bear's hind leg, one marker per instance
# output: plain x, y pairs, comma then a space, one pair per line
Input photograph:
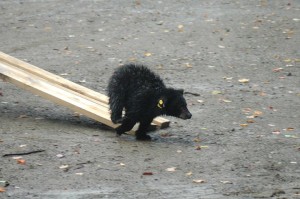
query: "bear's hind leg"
127, 125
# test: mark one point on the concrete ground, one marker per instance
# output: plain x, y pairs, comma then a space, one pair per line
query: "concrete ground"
237, 60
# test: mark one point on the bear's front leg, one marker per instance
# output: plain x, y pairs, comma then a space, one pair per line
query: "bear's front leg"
141, 133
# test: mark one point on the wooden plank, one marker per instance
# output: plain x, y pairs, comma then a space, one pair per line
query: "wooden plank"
52, 77
56, 94
55, 79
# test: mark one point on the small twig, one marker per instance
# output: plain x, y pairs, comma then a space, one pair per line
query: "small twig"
87, 162
22, 153
195, 94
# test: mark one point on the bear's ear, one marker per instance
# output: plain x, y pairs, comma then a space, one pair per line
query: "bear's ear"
181, 91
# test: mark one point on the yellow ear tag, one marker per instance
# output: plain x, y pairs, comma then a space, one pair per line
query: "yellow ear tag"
160, 104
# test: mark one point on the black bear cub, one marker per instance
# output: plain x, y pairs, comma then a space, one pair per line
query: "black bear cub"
144, 96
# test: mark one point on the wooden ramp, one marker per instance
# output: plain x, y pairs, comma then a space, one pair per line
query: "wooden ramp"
61, 91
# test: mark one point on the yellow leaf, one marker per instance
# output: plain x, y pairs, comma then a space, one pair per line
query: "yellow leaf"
180, 28
188, 65
244, 80
290, 129
65, 166
287, 60
216, 92
147, 54
199, 181
257, 113
226, 101
243, 125
189, 173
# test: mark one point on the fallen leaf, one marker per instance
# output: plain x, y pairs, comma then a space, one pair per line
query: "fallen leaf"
65, 166
199, 181
287, 60
21, 161
243, 125
247, 110
290, 136
226, 182
228, 78
147, 54
226, 101
244, 80
147, 173
82, 81
189, 173
60, 155
198, 147
171, 169
180, 28
250, 121
290, 129
2, 189
23, 116
17, 157
132, 59
257, 113
216, 92
276, 132
262, 93
277, 69
188, 65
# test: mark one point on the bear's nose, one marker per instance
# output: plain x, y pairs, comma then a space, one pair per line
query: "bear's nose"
189, 116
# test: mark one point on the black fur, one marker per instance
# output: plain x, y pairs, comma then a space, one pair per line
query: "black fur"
144, 96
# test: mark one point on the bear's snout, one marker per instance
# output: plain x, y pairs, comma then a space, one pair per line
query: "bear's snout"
185, 114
